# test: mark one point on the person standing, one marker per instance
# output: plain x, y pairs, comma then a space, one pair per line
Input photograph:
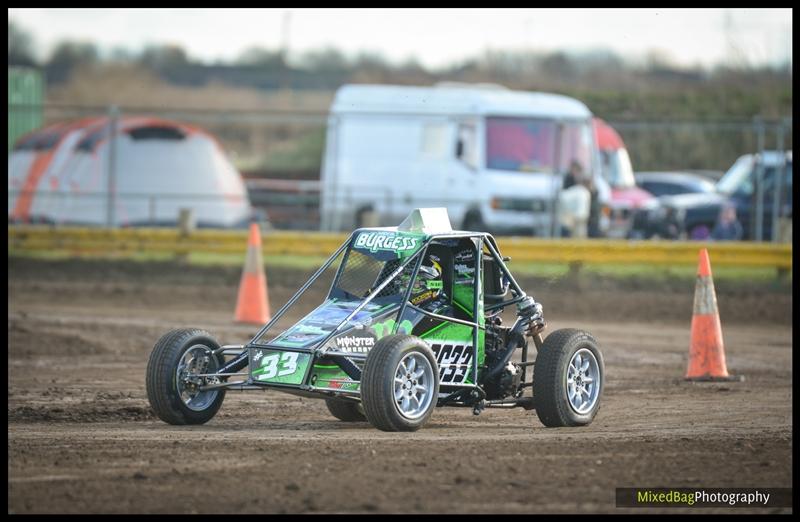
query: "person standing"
727, 227
575, 202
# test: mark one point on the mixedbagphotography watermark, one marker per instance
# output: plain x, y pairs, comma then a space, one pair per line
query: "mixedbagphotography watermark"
704, 497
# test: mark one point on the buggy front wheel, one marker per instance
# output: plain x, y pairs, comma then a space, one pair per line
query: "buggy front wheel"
400, 383
174, 378
568, 379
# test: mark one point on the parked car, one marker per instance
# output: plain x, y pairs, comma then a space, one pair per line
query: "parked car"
670, 183
693, 216
615, 167
494, 157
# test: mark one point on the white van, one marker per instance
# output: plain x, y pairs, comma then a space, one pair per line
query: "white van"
486, 153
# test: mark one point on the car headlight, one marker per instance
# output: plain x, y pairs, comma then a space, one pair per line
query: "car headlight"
650, 204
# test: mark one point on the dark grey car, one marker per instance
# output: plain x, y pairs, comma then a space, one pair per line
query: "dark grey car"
671, 183
694, 215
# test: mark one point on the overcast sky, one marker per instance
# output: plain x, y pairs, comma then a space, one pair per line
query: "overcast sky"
435, 37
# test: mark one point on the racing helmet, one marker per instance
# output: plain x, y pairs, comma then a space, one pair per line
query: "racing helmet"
428, 285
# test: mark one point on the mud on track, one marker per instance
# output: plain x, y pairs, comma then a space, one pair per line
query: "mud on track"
80, 427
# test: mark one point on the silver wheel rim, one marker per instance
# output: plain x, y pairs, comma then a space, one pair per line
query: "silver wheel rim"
196, 360
413, 385
583, 381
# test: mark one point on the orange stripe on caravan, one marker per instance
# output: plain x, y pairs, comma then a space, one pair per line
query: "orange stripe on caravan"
22, 209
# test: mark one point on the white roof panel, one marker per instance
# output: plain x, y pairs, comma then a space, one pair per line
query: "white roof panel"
445, 100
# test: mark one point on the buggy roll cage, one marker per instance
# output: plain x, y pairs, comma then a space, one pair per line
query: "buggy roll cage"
343, 360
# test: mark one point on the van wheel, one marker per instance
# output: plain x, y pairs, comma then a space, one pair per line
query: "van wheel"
365, 217
473, 221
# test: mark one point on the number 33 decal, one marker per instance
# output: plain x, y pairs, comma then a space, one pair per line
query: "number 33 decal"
279, 364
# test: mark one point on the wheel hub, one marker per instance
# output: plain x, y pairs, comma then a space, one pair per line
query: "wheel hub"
196, 360
413, 383
583, 381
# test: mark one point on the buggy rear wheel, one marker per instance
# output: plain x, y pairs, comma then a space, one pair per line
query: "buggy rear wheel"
172, 377
344, 410
568, 379
399, 383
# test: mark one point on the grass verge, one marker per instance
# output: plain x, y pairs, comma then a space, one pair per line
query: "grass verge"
549, 271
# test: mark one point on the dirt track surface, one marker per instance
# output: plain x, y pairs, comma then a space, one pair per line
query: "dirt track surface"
80, 427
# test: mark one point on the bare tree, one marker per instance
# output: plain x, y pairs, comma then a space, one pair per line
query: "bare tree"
20, 46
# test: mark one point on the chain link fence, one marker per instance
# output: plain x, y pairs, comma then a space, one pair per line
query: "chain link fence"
280, 153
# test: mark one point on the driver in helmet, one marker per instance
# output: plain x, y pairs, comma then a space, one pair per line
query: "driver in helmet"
428, 291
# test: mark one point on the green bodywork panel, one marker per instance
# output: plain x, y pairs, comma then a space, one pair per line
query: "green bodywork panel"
331, 376
464, 298
391, 326
275, 366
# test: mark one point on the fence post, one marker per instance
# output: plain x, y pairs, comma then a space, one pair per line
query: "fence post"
329, 188
389, 210
759, 207
185, 228
186, 221
111, 197
557, 183
777, 186
152, 210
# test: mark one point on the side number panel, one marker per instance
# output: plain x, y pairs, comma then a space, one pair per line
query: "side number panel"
280, 367
454, 360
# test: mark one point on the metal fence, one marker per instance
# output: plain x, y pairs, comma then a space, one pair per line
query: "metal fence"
280, 152
703, 145
122, 209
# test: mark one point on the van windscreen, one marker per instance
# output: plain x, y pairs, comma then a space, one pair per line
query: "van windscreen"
530, 144
525, 145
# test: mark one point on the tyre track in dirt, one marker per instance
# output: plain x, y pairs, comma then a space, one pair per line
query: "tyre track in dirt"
79, 423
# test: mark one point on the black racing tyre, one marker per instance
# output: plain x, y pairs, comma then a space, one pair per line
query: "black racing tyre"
473, 221
399, 383
179, 354
568, 379
344, 410
361, 216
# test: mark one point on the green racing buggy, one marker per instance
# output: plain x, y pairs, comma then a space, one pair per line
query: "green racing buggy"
411, 321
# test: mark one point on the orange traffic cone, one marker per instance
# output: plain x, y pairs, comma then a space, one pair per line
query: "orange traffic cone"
706, 353
252, 305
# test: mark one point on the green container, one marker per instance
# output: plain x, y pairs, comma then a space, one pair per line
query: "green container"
25, 96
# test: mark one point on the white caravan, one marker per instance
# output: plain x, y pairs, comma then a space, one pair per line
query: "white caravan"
60, 175
486, 153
